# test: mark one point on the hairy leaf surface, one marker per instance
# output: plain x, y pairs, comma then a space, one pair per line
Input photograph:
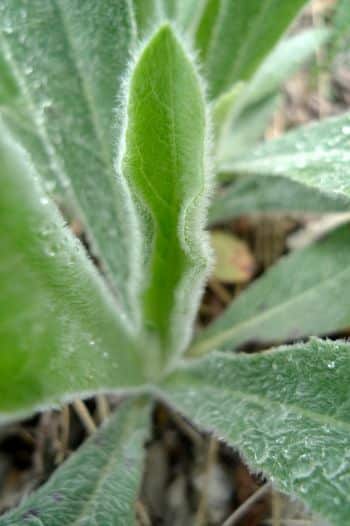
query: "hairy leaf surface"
98, 484
67, 58
60, 331
287, 411
316, 155
163, 160
304, 294
241, 34
263, 194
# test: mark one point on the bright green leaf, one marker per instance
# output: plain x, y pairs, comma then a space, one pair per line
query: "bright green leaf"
286, 410
164, 163
243, 33
263, 194
316, 155
60, 330
68, 58
99, 483
306, 293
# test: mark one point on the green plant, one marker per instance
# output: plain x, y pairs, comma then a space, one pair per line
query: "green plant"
118, 135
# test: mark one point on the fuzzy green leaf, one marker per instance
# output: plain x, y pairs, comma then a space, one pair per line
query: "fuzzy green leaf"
68, 58
289, 301
316, 155
263, 194
241, 35
164, 162
58, 322
98, 484
286, 410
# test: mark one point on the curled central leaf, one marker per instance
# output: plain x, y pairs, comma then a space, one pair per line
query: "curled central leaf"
163, 160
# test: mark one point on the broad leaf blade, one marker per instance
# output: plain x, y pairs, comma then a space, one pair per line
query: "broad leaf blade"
285, 303
286, 410
316, 155
58, 323
263, 194
243, 34
68, 58
98, 484
164, 163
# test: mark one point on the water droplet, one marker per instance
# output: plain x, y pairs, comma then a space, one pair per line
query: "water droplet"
92, 343
346, 130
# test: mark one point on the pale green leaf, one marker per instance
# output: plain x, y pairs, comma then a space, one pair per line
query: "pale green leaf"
206, 25
170, 8
185, 13
305, 293
247, 128
263, 194
286, 410
222, 109
164, 163
316, 155
258, 101
243, 33
8, 88
147, 14
68, 58
60, 330
99, 483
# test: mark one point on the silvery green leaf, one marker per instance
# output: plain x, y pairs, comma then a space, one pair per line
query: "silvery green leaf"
68, 58
263, 194
99, 483
316, 155
59, 323
303, 294
286, 410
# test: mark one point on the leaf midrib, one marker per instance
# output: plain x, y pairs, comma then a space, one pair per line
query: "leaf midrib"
209, 343
111, 463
